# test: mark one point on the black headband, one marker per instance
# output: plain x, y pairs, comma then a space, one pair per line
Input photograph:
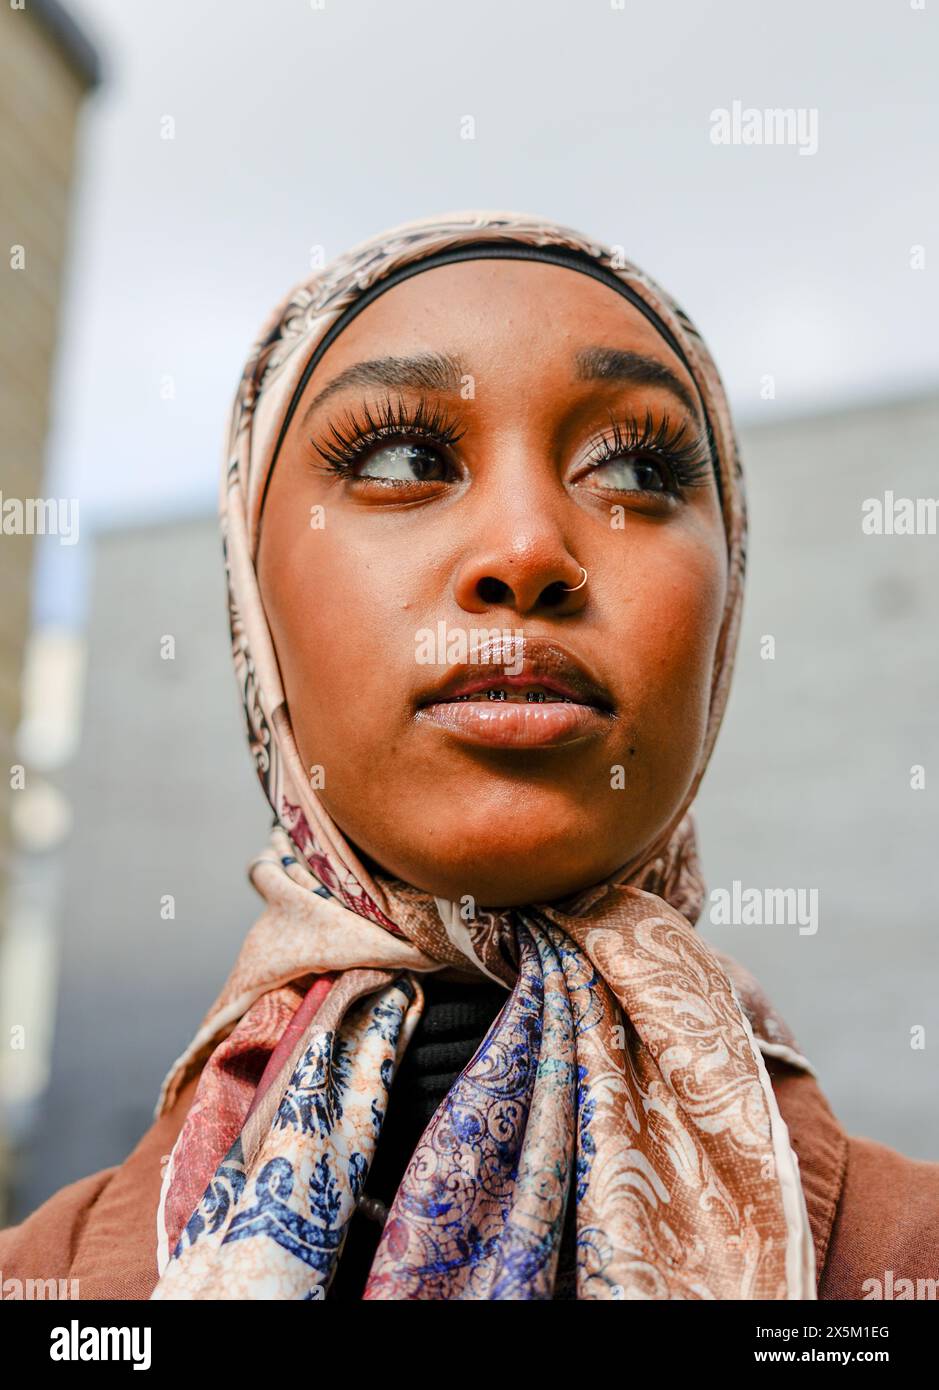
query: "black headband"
568, 257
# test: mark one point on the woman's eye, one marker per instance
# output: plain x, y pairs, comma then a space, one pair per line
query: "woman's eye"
404, 463
628, 474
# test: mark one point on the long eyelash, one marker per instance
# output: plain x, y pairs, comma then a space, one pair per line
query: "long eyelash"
351, 438
687, 455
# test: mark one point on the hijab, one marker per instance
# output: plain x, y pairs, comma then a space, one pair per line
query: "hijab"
625, 1072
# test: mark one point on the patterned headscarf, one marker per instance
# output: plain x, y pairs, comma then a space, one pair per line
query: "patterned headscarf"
625, 1072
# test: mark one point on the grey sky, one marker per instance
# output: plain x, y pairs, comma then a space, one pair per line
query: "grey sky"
297, 126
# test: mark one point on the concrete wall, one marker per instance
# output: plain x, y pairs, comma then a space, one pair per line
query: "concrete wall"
165, 802
810, 784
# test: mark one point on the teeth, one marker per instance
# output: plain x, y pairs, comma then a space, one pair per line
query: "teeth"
531, 697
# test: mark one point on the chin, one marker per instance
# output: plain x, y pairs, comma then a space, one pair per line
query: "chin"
515, 886
510, 875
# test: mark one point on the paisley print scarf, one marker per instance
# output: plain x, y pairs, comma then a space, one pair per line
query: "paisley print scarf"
625, 1071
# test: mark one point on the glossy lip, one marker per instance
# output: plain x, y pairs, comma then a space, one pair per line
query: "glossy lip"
544, 663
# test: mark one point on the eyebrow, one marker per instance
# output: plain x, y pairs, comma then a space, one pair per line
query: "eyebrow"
437, 371
434, 371
631, 368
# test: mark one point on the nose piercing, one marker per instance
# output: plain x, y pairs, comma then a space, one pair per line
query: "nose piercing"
580, 585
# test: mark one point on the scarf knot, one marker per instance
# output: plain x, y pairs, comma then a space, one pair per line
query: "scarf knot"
623, 1074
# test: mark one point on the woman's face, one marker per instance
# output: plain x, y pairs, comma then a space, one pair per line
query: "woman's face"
526, 421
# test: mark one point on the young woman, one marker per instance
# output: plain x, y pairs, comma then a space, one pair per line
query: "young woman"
484, 532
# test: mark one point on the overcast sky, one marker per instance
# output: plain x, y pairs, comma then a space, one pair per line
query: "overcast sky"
298, 125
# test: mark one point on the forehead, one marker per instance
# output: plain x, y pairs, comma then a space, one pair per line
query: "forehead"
510, 316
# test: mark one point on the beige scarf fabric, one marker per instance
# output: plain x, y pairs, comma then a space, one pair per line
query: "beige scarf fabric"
626, 1070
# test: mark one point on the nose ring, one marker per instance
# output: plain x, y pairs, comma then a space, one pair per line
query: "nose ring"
580, 585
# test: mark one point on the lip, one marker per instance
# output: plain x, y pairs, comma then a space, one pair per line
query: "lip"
583, 709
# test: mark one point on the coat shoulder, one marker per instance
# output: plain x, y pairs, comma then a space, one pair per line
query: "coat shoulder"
874, 1212
44, 1245
887, 1227
100, 1231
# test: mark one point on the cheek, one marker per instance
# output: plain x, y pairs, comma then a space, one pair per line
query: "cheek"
672, 630
332, 619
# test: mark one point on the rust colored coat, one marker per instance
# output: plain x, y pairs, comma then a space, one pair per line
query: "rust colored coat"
871, 1210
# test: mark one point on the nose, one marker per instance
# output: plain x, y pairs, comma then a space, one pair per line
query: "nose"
526, 567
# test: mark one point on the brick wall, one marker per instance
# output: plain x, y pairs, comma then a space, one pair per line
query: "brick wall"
41, 90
